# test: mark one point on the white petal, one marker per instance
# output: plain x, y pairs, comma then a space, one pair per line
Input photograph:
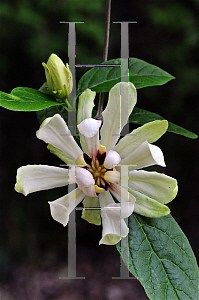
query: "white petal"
121, 194
148, 207
149, 132
117, 211
85, 107
84, 177
55, 132
33, 178
62, 207
113, 230
112, 159
112, 176
159, 187
145, 155
89, 128
59, 213
122, 94
88, 190
127, 202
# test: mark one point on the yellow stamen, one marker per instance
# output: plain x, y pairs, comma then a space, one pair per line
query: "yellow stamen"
98, 189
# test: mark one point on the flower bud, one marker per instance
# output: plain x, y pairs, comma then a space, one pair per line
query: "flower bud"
59, 77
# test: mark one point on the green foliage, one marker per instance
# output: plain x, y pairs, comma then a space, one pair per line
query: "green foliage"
26, 99
141, 73
141, 116
161, 258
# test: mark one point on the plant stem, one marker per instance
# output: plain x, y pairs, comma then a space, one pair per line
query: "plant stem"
105, 56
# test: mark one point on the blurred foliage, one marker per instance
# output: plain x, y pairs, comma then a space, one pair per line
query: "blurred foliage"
167, 35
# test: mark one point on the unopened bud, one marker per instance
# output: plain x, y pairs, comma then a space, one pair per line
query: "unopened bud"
59, 77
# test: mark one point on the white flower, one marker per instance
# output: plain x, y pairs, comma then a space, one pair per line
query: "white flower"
96, 170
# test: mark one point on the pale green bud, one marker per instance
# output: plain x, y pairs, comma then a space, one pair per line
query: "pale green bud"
59, 77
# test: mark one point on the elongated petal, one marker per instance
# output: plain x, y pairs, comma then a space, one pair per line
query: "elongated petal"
92, 210
148, 207
61, 208
145, 155
112, 176
65, 158
149, 132
85, 107
55, 132
159, 187
113, 230
114, 118
33, 178
89, 128
112, 159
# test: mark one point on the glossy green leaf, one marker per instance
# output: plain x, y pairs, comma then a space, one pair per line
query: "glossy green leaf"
161, 258
27, 99
141, 116
141, 73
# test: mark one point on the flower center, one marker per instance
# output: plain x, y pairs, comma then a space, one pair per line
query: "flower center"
98, 171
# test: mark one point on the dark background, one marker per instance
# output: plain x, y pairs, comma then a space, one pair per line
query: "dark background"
33, 246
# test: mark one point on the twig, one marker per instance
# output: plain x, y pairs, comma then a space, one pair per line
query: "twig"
105, 56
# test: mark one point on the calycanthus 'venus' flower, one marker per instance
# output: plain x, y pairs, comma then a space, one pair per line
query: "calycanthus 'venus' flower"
97, 169
58, 76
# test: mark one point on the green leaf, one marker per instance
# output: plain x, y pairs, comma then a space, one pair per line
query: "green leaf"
141, 73
26, 99
161, 258
141, 116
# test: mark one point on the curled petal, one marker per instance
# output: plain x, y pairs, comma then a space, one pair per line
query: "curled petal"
84, 177
117, 211
149, 132
33, 178
89, 128
145, 155
112, 159
59, 213
61, 208
55, 132
113, 230
112, 176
